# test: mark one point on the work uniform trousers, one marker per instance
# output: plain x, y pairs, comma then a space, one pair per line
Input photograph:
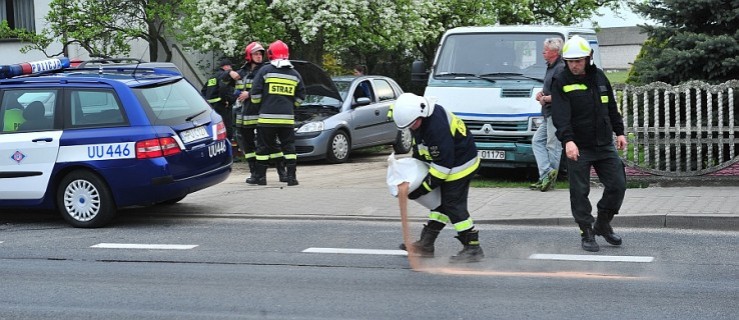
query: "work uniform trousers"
224, 110
454, 196
274, 140
610, 170
248, 141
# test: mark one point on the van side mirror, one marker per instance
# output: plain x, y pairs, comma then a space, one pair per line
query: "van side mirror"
418, 72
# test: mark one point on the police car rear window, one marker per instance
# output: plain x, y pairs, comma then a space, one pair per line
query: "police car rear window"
171, 103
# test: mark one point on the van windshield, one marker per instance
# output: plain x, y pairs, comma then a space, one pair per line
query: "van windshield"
493, 55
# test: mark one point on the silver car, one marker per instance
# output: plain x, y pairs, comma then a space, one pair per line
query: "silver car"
345, 113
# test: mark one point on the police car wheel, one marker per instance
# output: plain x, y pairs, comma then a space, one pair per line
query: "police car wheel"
403, 142
84, 200
173, 201
338, 147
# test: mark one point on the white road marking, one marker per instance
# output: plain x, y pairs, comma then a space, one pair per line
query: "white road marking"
577, 257
356, 251
144, 246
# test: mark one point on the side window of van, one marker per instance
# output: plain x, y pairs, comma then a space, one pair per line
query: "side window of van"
93, 108
27, 110
384, 90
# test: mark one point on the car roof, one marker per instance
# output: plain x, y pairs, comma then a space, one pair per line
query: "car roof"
120, 70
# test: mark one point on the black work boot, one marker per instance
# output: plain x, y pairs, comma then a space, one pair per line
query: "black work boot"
281, 171
588, 239
425, 246
290, 172
602, 227
260, 174
472, 252
252, 170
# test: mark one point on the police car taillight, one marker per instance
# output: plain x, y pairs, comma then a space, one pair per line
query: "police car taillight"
26, 68
221, 131
154, 148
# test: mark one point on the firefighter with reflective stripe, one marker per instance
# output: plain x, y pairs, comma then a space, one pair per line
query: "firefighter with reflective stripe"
586, 117
276, 90
441, 139
219, 92
247, 120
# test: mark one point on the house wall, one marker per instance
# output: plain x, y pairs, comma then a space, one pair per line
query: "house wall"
619, 46
10, 49
619, 57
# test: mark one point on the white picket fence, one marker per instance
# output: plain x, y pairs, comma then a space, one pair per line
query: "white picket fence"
680, 131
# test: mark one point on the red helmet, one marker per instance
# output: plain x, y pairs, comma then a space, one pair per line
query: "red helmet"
278, 50
252, 48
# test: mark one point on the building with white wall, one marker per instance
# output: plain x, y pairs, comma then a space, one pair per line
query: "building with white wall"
619, 46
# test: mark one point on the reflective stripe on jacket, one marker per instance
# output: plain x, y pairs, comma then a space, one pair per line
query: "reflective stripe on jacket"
583, 108
444, 142
277, 91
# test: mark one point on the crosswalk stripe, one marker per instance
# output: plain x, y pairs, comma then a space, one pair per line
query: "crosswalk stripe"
356, 251
578, 257
144, 246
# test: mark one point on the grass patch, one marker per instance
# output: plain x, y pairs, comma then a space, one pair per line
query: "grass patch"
617, 76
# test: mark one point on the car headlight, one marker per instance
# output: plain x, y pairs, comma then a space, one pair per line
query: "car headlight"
535, 122
311, 127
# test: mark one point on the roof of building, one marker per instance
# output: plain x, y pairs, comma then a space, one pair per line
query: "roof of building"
621, 36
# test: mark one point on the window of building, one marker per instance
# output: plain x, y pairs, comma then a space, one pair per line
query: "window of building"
18, 14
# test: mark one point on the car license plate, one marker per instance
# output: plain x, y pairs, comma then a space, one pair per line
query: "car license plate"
491, 154
193, 134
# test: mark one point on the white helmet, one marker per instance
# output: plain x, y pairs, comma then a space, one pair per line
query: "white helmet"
410, 107
576, 48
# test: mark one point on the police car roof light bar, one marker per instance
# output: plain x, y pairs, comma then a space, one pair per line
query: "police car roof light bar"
35, 67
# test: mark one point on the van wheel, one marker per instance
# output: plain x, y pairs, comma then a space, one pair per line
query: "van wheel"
403, 141
338, 147
84, 200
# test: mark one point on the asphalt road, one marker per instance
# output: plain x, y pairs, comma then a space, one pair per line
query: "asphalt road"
260, 269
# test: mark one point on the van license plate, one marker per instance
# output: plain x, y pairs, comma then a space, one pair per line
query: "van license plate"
193, 134
491, 154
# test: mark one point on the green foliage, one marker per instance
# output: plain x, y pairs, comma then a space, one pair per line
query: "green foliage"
696, 40
385, 35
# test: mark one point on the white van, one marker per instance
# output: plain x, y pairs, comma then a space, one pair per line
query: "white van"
489, 77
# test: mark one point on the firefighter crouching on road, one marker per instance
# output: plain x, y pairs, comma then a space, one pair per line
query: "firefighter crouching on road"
219, 92
276, 90
586, 117
441, 138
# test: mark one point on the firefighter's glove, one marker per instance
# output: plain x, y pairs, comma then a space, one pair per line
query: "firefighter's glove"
419, 192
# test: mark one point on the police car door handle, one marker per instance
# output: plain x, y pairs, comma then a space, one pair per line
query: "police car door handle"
377, 112
42, 139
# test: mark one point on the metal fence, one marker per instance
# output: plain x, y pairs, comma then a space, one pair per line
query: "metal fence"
680, 131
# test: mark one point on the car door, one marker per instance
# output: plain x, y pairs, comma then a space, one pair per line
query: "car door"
27, 156
386, 130
367, 120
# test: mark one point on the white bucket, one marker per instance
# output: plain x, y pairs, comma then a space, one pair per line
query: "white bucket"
413, 171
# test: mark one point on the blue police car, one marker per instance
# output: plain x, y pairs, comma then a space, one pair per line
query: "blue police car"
88, 141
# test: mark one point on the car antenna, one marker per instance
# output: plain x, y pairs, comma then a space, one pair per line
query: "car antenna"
138, 62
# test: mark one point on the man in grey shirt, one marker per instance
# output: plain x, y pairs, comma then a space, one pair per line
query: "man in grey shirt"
547, 149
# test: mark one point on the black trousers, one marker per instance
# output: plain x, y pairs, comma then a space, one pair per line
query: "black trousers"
454, 196
610, 170
248, 143
268, 145
224, 110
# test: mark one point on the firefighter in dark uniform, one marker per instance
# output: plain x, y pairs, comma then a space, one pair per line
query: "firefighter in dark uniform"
585, 114
219, 92
276, 90
441, 139
246, 121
